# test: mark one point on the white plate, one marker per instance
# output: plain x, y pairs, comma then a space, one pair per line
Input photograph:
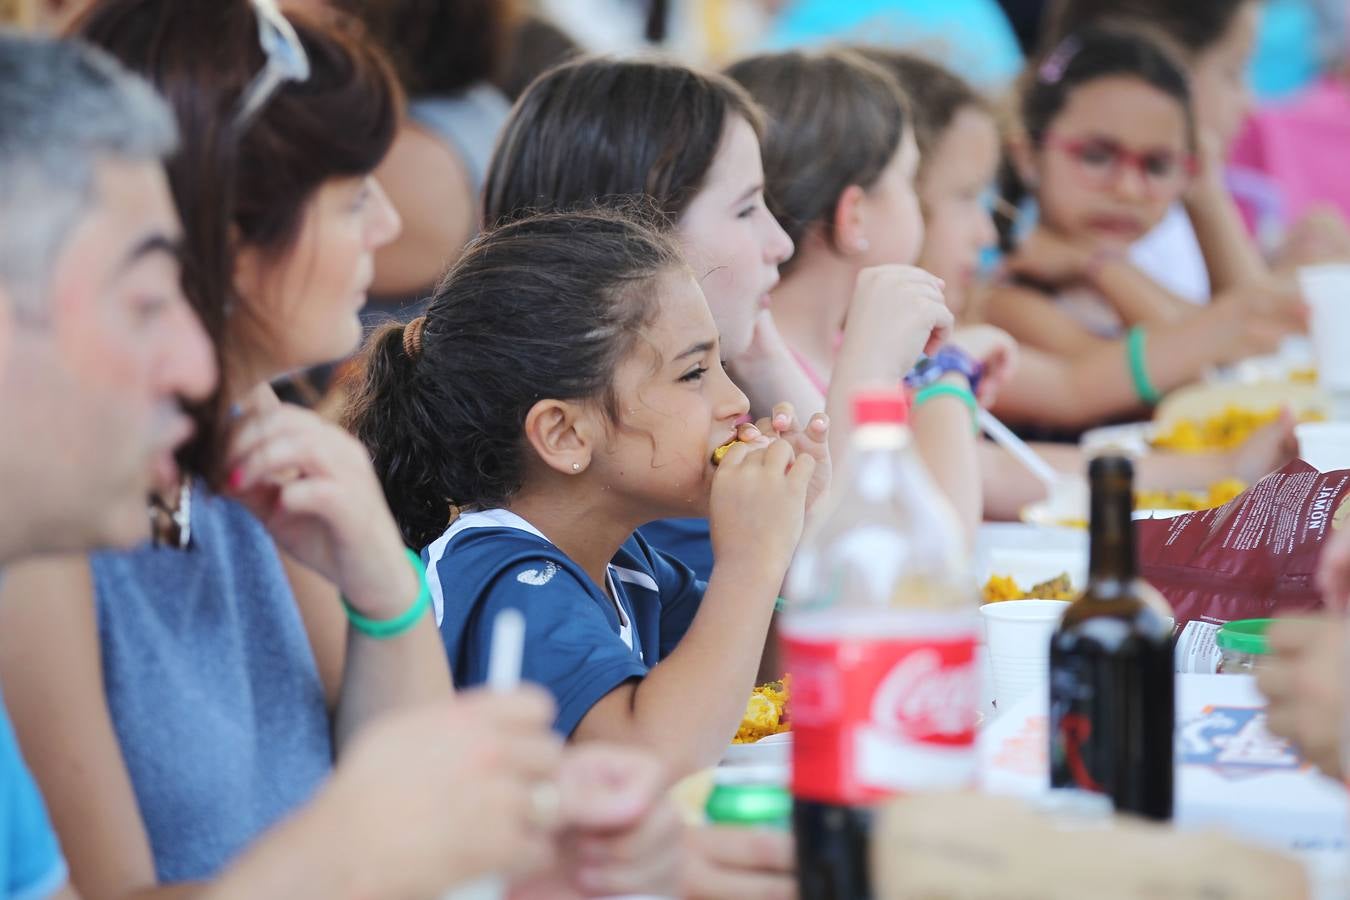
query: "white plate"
776, 749
1134, 439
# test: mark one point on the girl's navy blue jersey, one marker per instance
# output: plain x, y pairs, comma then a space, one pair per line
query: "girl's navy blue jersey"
581, 640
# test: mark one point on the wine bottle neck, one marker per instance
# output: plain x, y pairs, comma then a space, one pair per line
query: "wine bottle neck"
1112, 552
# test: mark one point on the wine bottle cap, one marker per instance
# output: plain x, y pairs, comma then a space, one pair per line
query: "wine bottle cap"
880, 407
1111, 467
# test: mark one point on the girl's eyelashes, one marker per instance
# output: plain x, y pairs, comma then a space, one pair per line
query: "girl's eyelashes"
694, 375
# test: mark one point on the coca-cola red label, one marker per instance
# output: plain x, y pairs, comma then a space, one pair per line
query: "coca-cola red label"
875, 717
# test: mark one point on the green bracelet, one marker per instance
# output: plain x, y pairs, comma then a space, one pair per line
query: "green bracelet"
384, 629
1134, 345
965, 395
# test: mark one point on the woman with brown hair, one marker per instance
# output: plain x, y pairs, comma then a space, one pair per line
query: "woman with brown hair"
446, 53
180, 700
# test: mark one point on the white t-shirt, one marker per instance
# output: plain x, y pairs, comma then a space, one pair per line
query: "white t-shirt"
1170, 254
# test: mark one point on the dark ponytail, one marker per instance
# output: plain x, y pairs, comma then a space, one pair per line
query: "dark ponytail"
544, 307
1084, 56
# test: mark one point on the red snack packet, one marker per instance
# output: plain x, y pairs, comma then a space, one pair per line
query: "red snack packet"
1253, 557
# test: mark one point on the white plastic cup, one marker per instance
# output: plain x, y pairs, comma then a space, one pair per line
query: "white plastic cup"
1324, 445
1326, 289
1018, 634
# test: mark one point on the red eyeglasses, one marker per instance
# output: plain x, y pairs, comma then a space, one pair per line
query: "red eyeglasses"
1102, 160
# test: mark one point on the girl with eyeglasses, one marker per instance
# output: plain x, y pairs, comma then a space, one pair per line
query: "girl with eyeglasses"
183, 699
957, 133
1106, 143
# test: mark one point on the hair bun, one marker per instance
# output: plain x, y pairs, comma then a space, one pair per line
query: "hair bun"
412, 337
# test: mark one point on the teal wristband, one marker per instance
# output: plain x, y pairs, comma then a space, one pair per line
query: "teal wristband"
384, 629
1135, 345
950, 390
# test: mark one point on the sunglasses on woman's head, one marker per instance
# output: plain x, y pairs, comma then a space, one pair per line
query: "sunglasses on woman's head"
286, 60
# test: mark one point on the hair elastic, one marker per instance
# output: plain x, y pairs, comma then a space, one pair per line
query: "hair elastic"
1052, 70
412, 337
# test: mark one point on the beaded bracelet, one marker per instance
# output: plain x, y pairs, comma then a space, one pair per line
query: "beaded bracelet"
965, 395
1135, 346
384, 629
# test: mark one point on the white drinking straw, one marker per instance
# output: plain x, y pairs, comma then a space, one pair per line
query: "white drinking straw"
504, 661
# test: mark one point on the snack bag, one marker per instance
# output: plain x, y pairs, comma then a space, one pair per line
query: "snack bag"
1254, 557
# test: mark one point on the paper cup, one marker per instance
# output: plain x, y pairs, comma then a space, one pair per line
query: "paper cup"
1326, 289
1324, 445
1018, 633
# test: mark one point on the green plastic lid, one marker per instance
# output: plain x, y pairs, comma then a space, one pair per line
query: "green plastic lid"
1245, 636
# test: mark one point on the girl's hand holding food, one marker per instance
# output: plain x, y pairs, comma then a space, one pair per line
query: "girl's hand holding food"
312, 485
812, 440
758, 506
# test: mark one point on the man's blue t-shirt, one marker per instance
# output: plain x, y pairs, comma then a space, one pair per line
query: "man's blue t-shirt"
581, 641
31, 866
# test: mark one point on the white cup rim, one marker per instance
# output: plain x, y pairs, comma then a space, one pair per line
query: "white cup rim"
1024, 610
1322, 429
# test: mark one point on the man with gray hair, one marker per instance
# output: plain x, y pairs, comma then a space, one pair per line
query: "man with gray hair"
98, 347
104, 348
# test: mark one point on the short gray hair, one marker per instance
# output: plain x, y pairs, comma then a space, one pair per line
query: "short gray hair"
65, 107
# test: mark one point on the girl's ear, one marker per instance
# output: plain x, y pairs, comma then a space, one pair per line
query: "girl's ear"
850, 222
562, 435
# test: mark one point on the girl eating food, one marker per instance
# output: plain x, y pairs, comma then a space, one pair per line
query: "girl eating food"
565, 387
600, 130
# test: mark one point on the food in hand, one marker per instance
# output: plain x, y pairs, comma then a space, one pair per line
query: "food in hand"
1004, 587
720, 453
765, 713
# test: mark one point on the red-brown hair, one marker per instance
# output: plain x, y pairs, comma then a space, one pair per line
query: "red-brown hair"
250, 188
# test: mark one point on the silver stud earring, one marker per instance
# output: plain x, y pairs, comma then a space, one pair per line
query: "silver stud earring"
576, 467
862, 245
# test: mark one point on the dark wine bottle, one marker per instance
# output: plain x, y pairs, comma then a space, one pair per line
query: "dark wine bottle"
1112, 702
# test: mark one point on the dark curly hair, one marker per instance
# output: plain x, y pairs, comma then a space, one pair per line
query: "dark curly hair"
546, 306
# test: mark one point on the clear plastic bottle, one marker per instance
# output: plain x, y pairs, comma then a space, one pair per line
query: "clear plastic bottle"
880, 632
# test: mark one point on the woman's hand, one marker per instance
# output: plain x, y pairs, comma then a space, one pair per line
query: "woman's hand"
758, 507
813, 441
621, 832
740, 864
995, 350
312, 486
447, 794
1304, 679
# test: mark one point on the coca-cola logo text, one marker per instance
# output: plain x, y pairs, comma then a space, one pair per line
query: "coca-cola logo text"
927, 699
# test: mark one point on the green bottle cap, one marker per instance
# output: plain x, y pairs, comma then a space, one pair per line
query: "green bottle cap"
751, 796
1245, 636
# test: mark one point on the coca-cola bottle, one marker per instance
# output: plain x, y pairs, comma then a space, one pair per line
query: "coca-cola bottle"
879, 635
1111, 666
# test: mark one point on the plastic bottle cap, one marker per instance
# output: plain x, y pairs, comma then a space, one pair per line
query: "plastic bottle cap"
1245, 636
880, 407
